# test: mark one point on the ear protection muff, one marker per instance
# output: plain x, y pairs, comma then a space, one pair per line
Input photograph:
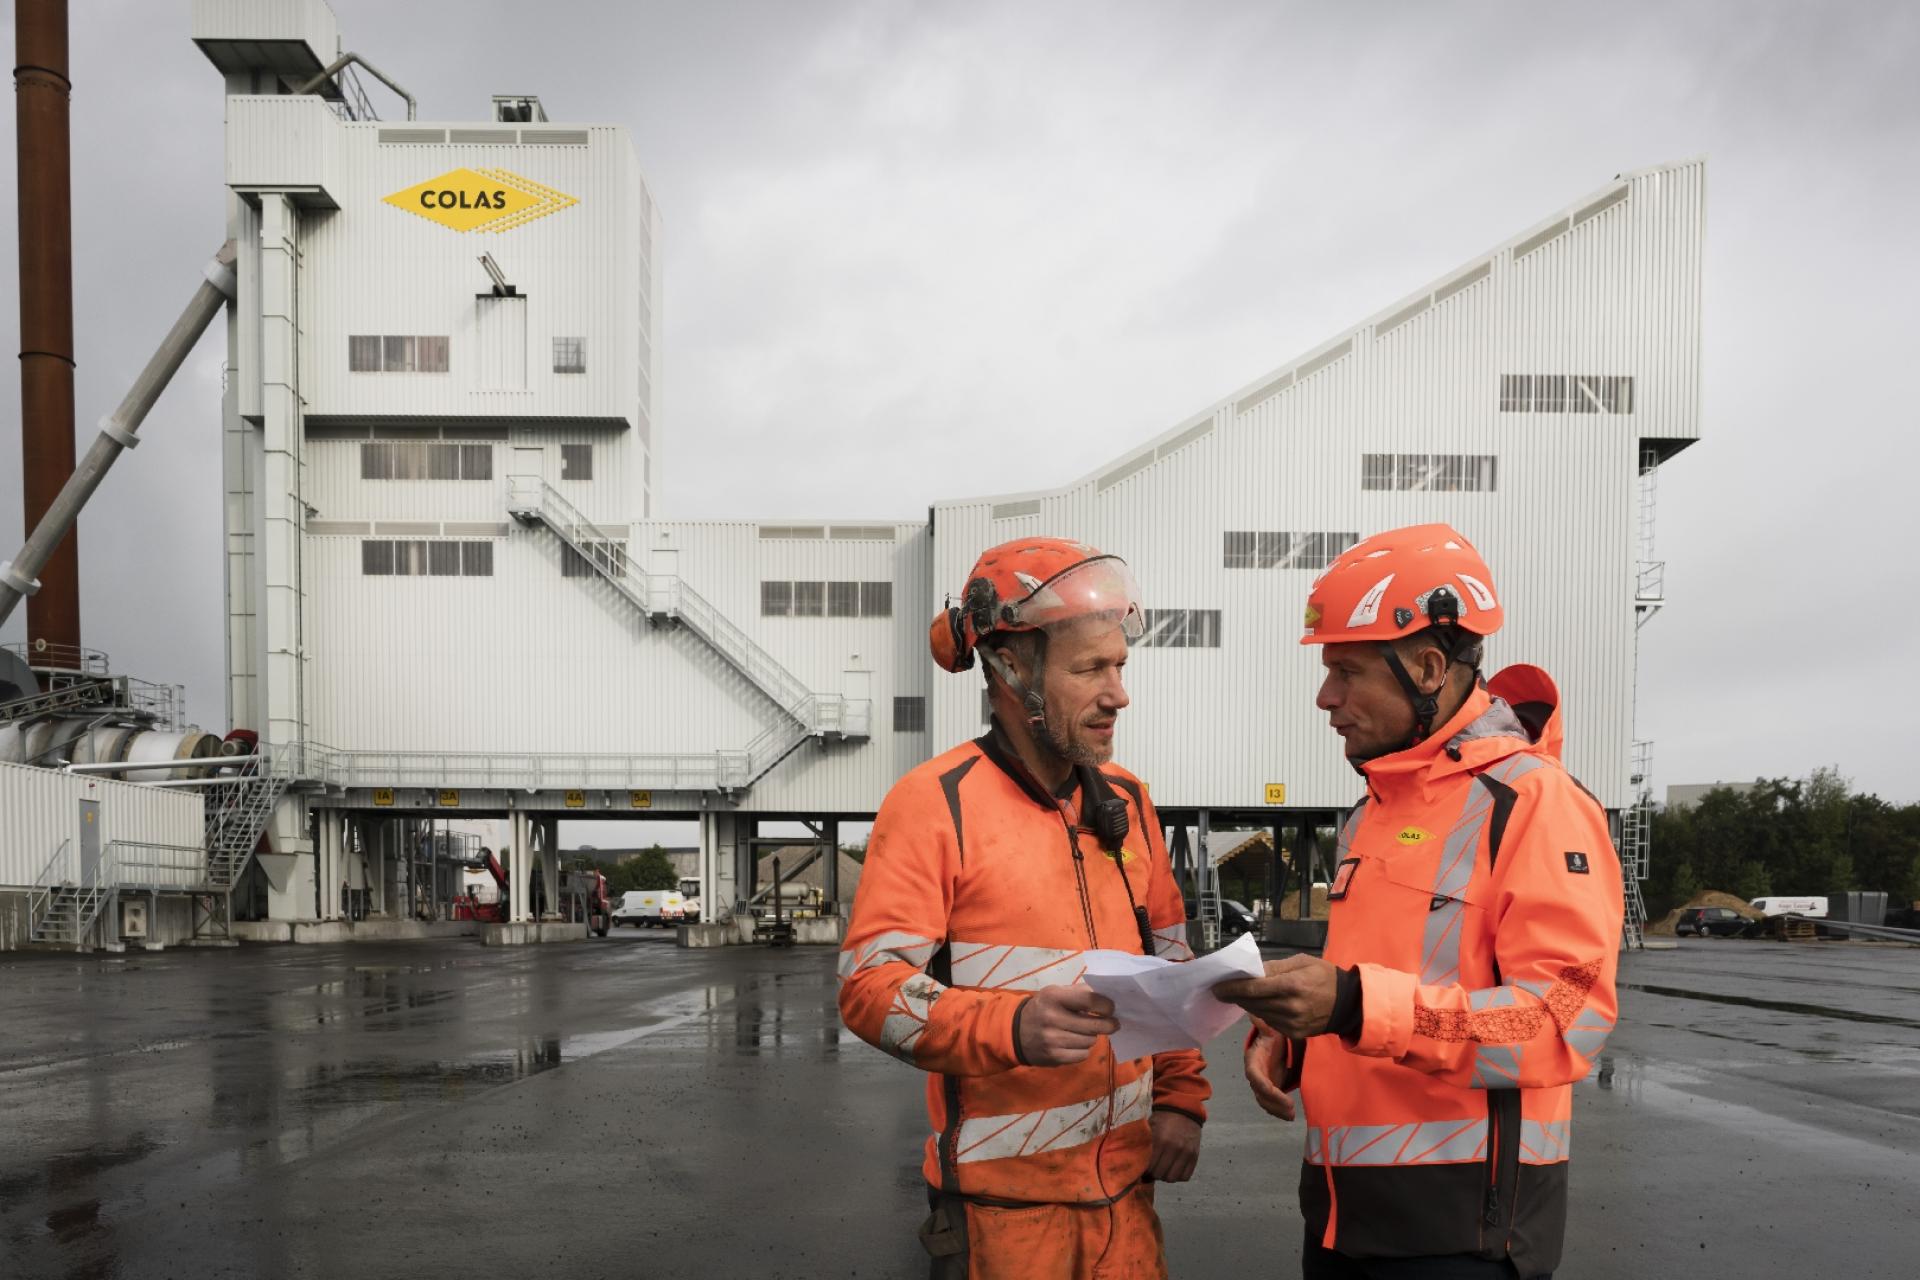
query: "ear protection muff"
947, 638
980, 601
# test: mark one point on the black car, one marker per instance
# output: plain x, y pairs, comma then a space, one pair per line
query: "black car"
1709, 921
1235, 918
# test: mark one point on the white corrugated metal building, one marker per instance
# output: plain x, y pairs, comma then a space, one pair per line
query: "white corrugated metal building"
447, 591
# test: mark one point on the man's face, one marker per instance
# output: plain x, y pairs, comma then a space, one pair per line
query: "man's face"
1364, 703
1083, 689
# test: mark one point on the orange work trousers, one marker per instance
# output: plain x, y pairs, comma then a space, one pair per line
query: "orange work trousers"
1120, 1241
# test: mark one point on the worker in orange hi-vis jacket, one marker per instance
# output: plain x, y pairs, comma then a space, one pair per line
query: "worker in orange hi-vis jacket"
991, 870
1473, 935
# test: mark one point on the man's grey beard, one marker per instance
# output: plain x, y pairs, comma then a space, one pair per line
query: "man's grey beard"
1064, 748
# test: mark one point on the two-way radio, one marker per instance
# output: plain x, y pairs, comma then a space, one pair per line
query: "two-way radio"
1105, 814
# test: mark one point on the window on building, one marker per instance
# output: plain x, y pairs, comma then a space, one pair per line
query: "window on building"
809, 599
397, 353
776, 599
1430, 472
876, 599
909, 715
421, 557
1265, 549
843, 599
1181, 629
424, 460
1566, 393
576, 462
569, 355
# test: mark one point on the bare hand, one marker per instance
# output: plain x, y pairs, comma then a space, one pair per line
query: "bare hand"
1058, 1025
1295, 997
1176, 1147
1262, 1064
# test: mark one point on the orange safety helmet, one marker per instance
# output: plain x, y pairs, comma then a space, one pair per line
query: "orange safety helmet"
1400, 582
1030, 584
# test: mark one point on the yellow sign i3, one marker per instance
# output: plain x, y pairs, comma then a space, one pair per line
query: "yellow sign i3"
1276, 793
480, 200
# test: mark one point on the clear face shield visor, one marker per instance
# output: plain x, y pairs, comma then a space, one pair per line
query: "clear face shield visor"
1102, 587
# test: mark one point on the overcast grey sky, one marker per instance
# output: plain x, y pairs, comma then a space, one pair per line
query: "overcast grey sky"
902, 237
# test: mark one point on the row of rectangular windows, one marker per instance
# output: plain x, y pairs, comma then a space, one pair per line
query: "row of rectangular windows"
1265, 550
1566, 393
402, 460
428, 353
386, 460
1432, 472
422, 558
1181, 629
826, 599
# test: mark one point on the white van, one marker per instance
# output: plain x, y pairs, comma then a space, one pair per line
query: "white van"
1812, 908
653, 907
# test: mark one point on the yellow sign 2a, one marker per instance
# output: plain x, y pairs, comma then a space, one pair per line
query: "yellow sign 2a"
480, 200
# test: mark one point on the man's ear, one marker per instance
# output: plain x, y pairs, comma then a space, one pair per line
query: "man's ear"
1433, 670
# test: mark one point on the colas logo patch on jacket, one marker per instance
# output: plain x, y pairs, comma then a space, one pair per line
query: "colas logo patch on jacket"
1125, 857
1414, 835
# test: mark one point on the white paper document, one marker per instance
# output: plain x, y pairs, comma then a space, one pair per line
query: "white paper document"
1165, 1005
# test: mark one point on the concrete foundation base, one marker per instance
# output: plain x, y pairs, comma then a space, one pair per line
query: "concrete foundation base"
712, 934
318, 931
1307, 935
520, 935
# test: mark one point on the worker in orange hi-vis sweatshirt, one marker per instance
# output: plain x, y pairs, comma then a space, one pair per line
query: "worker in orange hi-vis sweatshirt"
990, 871
1472, 939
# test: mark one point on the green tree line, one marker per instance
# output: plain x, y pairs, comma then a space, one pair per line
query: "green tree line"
1812, 835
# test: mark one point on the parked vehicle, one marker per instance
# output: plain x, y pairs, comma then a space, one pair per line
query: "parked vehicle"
1235, 918
1812, 908
1707, 922
652, 908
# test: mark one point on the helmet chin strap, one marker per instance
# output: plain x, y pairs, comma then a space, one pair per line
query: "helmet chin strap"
1031, 700
1426, 706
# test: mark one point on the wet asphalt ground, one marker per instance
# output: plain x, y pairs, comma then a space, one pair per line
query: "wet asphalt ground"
625, 1108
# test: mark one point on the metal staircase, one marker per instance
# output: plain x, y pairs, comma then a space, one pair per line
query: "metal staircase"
666, 599
236, 816
59, 911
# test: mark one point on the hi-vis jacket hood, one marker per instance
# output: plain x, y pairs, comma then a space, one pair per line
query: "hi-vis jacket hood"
979, 889
1478, 895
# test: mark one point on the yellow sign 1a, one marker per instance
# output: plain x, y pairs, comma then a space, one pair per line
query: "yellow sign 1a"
1276, 793
383, 796
480, 200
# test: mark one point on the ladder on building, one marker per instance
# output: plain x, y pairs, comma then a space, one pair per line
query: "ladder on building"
1650, 588
237, 814
667, 599
60, 912
1636, 832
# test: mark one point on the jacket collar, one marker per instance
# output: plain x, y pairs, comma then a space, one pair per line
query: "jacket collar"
994, 746
1482, 731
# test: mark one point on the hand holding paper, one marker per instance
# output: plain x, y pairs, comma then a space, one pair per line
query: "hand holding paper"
1162, 1005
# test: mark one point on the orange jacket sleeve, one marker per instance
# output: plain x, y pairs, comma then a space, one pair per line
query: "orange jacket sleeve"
899, 922
1555, 895
1179, 1075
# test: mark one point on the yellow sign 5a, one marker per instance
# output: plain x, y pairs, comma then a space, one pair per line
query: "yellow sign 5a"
480, 200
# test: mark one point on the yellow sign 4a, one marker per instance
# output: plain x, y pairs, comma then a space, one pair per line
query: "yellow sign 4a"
480, 200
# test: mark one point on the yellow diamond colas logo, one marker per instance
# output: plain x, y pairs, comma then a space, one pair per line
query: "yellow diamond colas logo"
480, 200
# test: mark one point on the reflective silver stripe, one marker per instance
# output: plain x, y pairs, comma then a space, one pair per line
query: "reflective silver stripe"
1493, 998
1344, 844
1007, 968
887, 948
1496, 1066
1316, 1147
1171, 943
913, 1002
1029, 1133
1515, 767
1440, 945
1588, 1034
1430, 1142
1545, 1141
